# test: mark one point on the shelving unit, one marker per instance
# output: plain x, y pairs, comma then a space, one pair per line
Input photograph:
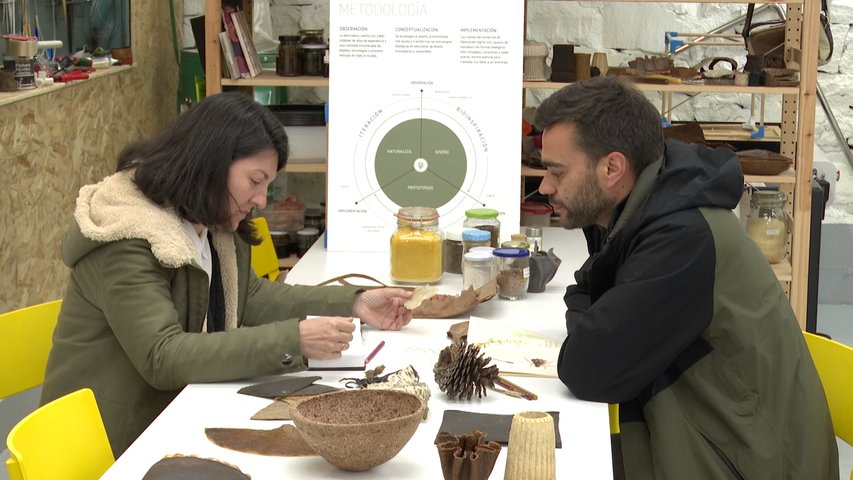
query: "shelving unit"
795, 133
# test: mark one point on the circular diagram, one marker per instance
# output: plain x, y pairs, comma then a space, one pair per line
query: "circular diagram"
429, 176
420, 151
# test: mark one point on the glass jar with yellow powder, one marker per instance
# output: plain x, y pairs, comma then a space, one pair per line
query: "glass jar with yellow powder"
416, 246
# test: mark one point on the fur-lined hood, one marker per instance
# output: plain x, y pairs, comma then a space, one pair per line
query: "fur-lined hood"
115, 209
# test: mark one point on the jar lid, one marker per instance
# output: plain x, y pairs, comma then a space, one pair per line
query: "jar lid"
313, 46
481, 213
417, 214
537, 208
453, 234
288, 38
518, 237
313, 212
476, 235
480, 257
511, 252
533, 231
308, 231
768, 197
488, 250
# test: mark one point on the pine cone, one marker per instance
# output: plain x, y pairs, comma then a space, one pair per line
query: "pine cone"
461, 370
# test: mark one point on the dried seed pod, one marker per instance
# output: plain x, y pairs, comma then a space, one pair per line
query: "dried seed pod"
462, 370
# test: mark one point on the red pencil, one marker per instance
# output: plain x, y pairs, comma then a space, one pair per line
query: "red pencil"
374, 352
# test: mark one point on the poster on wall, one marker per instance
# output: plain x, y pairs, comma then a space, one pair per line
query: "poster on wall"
424, 110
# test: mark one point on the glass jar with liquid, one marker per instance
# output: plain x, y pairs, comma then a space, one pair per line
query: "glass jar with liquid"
767, 224
288, 64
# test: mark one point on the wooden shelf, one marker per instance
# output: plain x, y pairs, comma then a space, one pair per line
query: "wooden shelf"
287, 262
694, 1
788, 176
11, 97
270, 79
681, 88
783, 270
307, 166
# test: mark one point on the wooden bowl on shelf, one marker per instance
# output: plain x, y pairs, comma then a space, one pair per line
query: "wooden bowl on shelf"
763, 162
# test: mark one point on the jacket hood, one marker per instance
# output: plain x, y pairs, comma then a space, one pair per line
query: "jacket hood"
115, 209
688, 176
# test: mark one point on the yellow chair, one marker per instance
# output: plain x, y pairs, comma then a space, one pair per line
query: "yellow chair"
27, 337
834, 362
62, 440
264, 259
613, 411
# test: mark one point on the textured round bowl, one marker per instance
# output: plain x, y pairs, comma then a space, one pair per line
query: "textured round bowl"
357, 430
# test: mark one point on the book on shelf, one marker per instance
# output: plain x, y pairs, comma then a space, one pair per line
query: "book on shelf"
353, 358
230, 61
228, 22
244, 34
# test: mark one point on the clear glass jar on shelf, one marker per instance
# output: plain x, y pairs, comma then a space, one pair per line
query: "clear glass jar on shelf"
312, 48
484, 219
534, 238
767, 223
288, 64
513, 272
416, 246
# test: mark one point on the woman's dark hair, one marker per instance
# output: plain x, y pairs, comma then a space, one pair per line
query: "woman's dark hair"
185, 166
610, 116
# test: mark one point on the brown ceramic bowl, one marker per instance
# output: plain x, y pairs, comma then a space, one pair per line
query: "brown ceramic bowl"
357, 430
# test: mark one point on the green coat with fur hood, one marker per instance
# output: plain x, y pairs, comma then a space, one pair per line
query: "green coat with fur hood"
131, 320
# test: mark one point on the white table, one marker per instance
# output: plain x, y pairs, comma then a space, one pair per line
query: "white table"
583, 425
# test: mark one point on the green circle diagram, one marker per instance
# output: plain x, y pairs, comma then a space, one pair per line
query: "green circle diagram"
420, 162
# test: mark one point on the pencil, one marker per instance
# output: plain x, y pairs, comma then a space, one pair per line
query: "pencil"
374, 352
511, 386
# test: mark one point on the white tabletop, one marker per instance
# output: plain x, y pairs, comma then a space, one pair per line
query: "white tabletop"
585, 452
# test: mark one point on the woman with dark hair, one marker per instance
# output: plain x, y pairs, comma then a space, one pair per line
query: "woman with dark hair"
162, 293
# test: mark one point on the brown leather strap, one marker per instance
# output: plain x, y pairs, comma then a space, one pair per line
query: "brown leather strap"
344, 280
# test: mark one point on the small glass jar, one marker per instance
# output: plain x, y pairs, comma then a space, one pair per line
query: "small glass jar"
314, 218
767, 223
416, 246
534, 238
474, 237
311, 52
288, 64
518, 240
488, 250
513, 272
476, 269
484, 219
451, 251
305, 238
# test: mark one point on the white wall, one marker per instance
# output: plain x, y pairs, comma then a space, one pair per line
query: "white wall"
627, 30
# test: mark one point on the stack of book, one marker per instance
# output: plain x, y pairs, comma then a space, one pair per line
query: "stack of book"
241, 58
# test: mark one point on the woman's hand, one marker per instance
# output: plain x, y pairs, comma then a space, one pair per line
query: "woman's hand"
383, 308
324, 338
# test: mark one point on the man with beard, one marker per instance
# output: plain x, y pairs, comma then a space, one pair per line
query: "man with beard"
676, 315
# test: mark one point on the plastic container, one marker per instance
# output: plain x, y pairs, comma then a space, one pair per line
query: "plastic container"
451, 251
484, 219
416, 246
513, 272
536, 214
474, 237
767, 224
287, 215
476, 269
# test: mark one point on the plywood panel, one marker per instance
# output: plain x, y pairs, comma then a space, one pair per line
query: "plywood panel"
52, 144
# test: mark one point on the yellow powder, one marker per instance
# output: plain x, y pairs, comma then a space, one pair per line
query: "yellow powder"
415, 255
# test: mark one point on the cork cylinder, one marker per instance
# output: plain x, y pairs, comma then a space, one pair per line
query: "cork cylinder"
531, 448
